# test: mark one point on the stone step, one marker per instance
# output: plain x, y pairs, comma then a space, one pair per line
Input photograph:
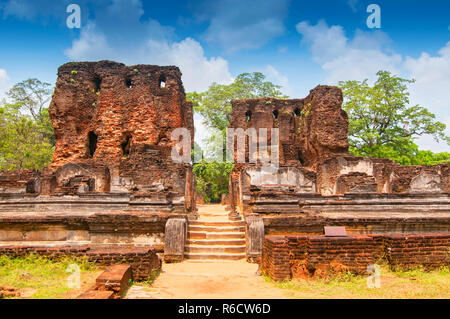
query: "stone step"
217, 229
215, 235
219, 214
217, 250
209, 242
222, 256
216, 223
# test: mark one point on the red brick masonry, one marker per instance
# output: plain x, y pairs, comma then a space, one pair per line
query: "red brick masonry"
291, 256
111, 284
143, 261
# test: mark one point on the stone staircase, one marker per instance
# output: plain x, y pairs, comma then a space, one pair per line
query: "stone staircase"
215, 238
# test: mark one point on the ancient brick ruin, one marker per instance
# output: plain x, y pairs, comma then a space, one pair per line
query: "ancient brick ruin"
318, 179
318, 184
112, 183
113, 127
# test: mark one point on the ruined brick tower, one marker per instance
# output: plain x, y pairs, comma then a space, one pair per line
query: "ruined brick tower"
113, 126
315, 168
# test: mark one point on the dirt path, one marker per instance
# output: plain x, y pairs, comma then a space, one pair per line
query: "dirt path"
208, 280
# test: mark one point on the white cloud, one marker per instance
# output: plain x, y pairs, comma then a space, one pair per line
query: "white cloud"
369, 52
432, 74
243, 24
325, 42
276, 77
120, 34
198, 71
4, 83
92, 45
345, 59
431, 89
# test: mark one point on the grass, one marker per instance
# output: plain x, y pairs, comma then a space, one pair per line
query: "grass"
394, 284
45, 278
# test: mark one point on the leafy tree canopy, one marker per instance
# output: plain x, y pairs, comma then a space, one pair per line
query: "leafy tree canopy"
26, 132
382, 124
215, 104
212, 179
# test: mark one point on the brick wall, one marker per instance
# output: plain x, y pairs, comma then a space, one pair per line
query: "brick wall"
353, 253
275, 258
143, 261
291, 256
429, 250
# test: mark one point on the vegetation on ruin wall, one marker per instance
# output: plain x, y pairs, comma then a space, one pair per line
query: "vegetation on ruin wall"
26, 132
37, 277
214, 105
397, 284
382, 124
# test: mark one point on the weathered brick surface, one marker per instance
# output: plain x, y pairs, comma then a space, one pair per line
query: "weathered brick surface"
113, 125
143, 261
115, 278
320, 255
116, 102
428, 250
313, 153
93, 294
310, 128
19, 181
111, 284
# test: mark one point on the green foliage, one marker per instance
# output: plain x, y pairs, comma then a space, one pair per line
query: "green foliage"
212, 179
215, 107
26, 133
47, 277
215, 104
399, 284
411, 155
381, 124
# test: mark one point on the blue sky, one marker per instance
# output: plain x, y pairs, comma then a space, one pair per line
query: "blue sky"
297, 44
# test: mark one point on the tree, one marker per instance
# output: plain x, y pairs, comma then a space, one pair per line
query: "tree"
31, 98
381, 122
31, 95
22, 146
214, 105
26, 132
212, 179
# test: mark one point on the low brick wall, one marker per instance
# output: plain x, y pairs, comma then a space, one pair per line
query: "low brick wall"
292, 256
111, 284
143, 261
408, 251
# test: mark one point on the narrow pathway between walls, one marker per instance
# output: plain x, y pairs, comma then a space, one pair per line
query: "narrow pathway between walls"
214, 266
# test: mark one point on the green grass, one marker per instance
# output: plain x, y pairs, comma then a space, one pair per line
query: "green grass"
46, 277
394, 284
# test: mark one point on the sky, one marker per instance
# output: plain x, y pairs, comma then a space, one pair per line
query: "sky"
296, 44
